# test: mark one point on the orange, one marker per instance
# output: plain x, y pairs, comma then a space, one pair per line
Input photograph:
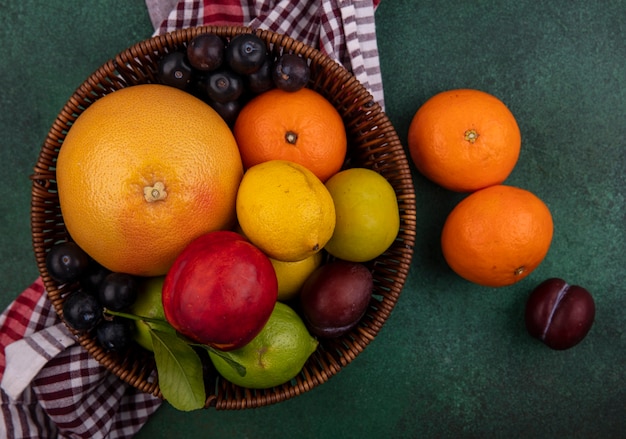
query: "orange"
497, 236
464, 140
142, 172
300, 127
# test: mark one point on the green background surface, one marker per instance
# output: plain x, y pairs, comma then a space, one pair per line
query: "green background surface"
454, 359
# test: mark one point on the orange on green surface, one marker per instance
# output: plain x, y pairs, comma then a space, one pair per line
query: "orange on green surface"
285, 210
464, 140
301, 127
497, 236
142, 172
275, 356
367, 216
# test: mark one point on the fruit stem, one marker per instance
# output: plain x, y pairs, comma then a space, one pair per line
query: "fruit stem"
155, 193
291, 137
519, 270
471, 135
132, 316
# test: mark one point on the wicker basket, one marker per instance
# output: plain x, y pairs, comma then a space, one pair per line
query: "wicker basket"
373, 143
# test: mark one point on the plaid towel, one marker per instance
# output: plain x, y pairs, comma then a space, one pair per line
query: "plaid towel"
50, 386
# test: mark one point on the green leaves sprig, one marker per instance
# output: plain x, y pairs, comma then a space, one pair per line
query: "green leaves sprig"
178, 365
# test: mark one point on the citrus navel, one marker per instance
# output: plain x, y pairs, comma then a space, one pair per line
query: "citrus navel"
142, 172
464, 140
301, 127
285, 210
497, 236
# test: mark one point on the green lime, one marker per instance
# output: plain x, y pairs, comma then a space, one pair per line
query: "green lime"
149, 304
275, 356
367, 216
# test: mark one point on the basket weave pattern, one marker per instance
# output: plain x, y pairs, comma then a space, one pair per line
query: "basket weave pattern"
373, 143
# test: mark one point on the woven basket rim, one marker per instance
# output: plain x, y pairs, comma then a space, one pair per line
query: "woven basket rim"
375, 145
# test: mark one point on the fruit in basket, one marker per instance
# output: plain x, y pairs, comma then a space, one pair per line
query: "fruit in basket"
149, 304
66, 261
115, 334
285, 210
174, 70
260, 81
118, 291
220, 290
290, 72
368, 219
142, 172
205, 52
335, 297
246, 53
93, 276
275, 356
464, 140
223, 86
227, 110
82, 311
292, 275
559, 314
497, 236
301, 127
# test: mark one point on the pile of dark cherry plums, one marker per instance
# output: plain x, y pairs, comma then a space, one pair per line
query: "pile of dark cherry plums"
99, 288
227, 73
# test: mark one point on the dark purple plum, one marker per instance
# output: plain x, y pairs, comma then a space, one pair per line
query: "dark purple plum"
82, 311
261, 81
66, 261
227, 110
246, 53
174, 70
91, 278
335, 297
224, 86
205, 52
116, 334
118, 291
559, 314
291, 72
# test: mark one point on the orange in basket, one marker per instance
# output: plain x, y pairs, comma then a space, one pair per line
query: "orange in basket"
300, 127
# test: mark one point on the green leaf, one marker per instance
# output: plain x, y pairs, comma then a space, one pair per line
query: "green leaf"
239, 368
180, 371
224, 355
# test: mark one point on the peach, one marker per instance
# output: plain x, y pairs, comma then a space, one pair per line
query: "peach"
220, 291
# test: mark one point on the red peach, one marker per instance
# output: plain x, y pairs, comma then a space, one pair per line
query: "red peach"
220, 291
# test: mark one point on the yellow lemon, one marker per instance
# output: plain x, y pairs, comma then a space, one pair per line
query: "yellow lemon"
368, 219
285, 210
275, 356
291, 275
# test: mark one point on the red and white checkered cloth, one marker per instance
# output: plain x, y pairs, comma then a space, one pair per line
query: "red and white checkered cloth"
50, 386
